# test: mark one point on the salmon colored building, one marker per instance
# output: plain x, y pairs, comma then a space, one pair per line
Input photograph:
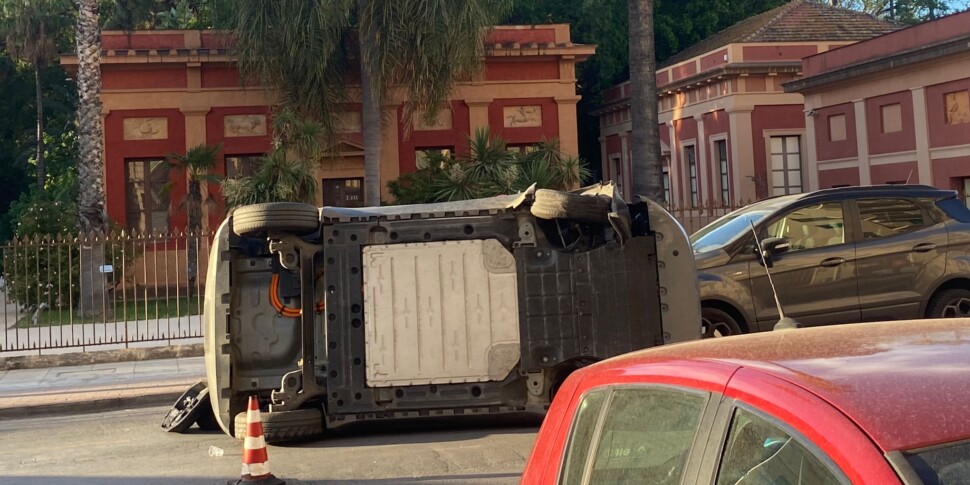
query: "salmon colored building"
729, 131
167, 91
893, 109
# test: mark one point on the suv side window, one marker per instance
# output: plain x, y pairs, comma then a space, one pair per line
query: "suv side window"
759, 452
644, 437
812, 226
889, 217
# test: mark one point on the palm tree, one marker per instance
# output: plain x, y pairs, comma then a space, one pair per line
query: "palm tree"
30, 29
645, 136
92, 218
310, 51
487, 169
197, 163
281, 176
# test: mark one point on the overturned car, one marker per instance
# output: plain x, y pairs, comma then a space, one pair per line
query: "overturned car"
336, 315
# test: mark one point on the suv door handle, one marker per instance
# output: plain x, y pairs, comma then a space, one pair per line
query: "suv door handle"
923, 248
831, 262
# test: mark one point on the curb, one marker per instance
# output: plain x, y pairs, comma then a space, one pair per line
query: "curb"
101, 357
92, 401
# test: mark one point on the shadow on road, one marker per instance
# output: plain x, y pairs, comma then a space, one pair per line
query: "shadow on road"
476, 478
432, 430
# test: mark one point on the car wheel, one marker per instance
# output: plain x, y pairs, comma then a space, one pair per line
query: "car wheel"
283, 426
191, 407
718, 323
294, 217
553, 204
952, 303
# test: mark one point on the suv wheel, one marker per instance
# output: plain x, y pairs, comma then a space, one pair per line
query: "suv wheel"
718, 323
553, 204
283, 426
952, 303
293, 217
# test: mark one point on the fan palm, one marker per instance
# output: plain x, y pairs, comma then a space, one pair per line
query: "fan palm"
312, 52
197, 163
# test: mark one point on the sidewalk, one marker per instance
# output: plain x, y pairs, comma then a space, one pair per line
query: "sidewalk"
96, 387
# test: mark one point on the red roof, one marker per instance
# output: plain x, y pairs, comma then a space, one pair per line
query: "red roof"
906, 384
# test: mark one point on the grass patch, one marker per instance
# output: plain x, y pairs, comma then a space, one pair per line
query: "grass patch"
130, 310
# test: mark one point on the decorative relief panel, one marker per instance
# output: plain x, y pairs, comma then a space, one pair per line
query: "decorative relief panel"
348, 122
444, 121
522, 116
244, 125
146, 128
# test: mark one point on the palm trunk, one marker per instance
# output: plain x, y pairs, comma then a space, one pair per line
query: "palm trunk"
645, 137
370, 127
41, 169
195, 226
92, 218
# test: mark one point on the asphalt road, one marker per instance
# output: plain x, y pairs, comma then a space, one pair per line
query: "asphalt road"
129, 447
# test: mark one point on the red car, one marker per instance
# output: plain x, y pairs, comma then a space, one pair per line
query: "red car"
873, 403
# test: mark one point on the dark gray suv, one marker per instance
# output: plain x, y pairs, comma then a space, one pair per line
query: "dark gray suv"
837, 256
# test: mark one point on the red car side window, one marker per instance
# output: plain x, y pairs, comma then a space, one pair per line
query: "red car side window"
580, 436
644, 436
760, 452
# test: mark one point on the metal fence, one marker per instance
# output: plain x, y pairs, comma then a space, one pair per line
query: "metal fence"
100, 290
120, 289
694, 218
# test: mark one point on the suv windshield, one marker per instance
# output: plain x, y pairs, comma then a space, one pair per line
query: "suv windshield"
726, 229
948, 463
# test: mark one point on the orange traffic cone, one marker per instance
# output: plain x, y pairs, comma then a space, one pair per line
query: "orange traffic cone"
255, 463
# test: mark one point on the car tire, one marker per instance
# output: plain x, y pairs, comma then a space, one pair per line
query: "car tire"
553, 204
192, 407
951, 303
282, 426
294, 217
719, 323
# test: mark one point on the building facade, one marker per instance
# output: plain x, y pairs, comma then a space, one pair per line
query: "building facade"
165, 92
893, 109
729, 131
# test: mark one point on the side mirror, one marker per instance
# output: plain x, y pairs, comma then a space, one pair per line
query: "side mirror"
775, 245
770, 247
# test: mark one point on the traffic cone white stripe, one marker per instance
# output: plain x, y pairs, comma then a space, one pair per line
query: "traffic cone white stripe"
255, 442
252, 416
256, 469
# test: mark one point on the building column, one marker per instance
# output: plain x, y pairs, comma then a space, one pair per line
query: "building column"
862, 141
568, 129
742, 153
605, 161
924, 164
195, 134
627, 167
703, 167
811, 155
477, 113
673, 171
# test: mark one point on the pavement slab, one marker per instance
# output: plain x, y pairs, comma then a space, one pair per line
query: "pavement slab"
96, 387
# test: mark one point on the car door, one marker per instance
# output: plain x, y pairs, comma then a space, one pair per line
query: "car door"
636, 434
816, 278
900, 255
768, 430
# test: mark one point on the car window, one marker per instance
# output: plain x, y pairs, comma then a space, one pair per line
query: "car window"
644, 437
810, 227
889, 217
947, 465
758, 452
581, 435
